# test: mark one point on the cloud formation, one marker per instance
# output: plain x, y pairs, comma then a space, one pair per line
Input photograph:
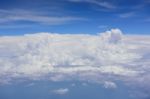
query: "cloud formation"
109, 56
108, 84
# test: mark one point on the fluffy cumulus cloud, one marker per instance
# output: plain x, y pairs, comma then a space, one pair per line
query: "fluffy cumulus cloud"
109, 56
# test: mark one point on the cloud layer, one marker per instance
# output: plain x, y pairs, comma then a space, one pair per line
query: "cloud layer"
103, 58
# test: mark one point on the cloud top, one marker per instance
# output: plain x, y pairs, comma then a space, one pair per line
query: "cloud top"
93, 58
112, 36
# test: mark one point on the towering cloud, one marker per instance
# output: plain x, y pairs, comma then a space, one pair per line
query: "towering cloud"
112, 36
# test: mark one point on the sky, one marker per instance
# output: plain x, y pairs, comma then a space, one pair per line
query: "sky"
74, 49
18, 17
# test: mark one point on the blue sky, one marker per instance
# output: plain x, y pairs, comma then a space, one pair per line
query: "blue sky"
43, 89
109, 65
19, 17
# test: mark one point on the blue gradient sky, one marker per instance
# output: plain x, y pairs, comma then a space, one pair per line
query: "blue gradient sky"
18, 17
42, 90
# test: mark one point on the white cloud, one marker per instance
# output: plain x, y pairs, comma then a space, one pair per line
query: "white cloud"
61, 91
89, 58
113, 36
109, 84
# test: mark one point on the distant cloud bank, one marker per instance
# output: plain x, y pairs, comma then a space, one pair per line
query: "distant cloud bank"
93, 58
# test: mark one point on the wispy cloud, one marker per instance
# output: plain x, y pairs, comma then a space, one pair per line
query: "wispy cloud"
7, 16
127, 15
100, 3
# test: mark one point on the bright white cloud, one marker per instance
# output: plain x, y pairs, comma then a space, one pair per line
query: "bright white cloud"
93, 58
112, 36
